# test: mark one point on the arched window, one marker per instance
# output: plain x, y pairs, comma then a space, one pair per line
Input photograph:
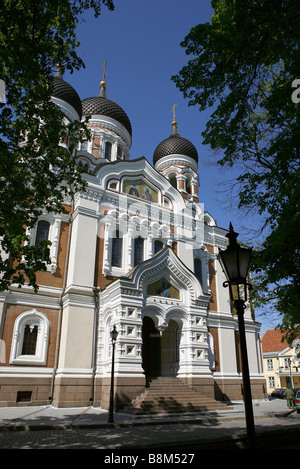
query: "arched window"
108, 147
42, 232
30, 339
117, 250
138, 250
173, 180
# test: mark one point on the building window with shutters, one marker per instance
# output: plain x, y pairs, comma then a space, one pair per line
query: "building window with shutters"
30, 339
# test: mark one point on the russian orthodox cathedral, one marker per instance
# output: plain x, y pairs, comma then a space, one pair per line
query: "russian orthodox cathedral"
135, 251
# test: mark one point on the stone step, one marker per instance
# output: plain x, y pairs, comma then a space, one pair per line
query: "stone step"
168, 408
171, 395
185, 399
174, 404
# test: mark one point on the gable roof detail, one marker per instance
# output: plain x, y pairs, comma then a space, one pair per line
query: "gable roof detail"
138, 168
163, 264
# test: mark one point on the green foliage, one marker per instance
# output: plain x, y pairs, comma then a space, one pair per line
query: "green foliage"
244, 63
36, 173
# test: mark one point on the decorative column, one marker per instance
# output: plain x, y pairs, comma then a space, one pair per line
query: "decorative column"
130, 247
181, 182
106, 263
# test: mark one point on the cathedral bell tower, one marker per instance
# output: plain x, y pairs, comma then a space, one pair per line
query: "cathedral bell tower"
111, 131
177, 159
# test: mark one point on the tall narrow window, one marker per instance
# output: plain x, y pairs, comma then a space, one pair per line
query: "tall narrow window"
138, 250
158, 245
108, 147
30, 340
198, 269
42, 232
173, 181
117, 248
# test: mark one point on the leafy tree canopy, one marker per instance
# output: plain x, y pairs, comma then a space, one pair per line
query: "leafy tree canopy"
245, 63
36, 174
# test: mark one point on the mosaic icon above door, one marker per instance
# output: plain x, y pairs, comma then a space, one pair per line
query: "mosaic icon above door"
139, 188
163, 288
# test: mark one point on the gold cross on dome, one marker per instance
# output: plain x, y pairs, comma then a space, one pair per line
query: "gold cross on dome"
173, 110
103, 70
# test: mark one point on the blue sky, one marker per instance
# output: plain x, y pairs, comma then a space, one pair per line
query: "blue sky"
141, 42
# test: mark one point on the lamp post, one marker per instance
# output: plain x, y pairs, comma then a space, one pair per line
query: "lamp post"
113, 335
235, 261
291, 373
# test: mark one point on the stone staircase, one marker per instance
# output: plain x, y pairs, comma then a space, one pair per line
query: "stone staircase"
171, 395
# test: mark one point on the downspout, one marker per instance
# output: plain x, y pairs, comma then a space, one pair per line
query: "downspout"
57, 347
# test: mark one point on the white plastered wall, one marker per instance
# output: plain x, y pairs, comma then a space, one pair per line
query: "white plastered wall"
227, 350
76, 340
83, 248
77, 332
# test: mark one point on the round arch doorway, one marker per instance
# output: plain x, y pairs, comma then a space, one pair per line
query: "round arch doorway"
160, 352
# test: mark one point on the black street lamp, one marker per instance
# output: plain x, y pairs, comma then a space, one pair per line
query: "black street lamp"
113, 335
235, 261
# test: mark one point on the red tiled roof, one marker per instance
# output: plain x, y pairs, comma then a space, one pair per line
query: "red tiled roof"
271, 341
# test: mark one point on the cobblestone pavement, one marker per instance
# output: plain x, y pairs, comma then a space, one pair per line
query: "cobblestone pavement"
50, 428
177, 437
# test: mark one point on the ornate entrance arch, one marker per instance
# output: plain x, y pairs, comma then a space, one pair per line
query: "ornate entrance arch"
160, 312
160, 350
170, 342
151, 349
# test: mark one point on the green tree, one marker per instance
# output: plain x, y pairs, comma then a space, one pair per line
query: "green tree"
244, 63
36, 174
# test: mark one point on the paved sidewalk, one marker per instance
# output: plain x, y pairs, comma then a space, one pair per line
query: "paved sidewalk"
87, 428
31, 418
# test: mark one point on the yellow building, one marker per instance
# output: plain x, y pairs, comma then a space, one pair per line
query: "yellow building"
281, 366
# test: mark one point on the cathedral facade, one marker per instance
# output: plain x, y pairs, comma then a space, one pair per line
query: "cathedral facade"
135, 250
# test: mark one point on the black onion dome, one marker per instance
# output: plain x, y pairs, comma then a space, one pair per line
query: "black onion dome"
175, 145
66, 92
105, 107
